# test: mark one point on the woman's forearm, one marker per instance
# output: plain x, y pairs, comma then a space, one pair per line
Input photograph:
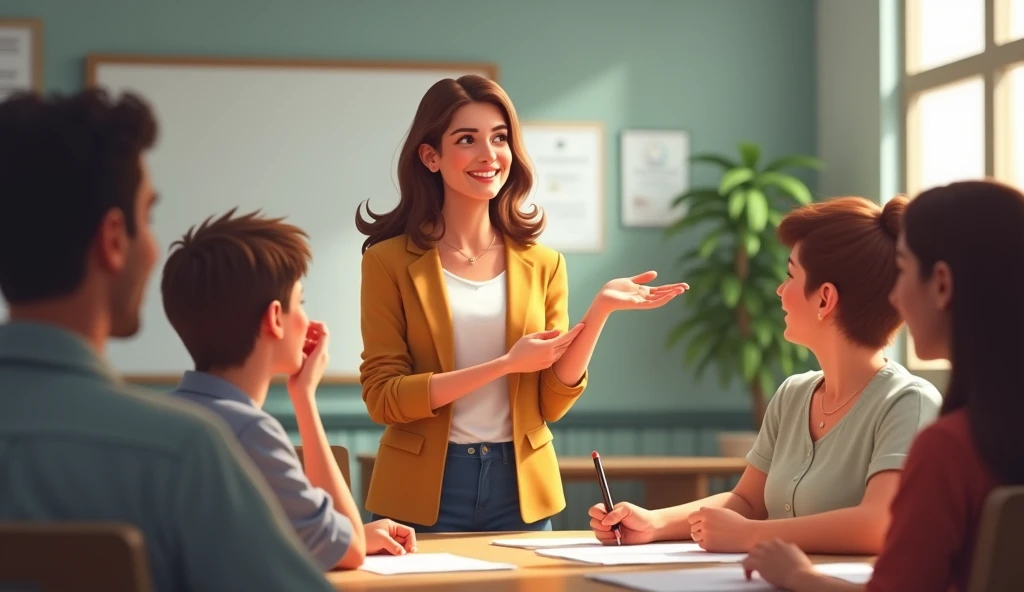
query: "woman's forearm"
570, 367
855, 531
676, 519
446, 387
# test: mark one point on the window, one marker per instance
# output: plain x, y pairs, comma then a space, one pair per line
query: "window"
1010, 137
1009, 20
963, 84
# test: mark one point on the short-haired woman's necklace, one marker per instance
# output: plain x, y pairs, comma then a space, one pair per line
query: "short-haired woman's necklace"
472, 260
821, 400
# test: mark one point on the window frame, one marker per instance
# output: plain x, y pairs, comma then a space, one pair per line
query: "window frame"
994, 61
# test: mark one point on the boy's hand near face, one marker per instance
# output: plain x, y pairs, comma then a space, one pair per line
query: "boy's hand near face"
303, 383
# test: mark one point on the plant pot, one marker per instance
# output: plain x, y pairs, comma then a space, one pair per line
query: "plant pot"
732, 444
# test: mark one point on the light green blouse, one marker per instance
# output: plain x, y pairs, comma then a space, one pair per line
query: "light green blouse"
806, 477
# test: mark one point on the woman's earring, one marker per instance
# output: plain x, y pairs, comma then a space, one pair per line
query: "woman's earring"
819, 316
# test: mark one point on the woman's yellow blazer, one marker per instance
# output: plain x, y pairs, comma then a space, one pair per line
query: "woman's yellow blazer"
407, 336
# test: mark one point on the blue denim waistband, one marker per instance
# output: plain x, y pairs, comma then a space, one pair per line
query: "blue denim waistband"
483, 450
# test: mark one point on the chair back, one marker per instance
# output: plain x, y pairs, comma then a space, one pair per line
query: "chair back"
998, 563
58, 556
340, 456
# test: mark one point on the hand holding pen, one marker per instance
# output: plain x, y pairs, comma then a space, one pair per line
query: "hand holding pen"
626, 523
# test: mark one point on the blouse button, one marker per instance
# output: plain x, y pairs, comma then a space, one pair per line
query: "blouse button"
787, 507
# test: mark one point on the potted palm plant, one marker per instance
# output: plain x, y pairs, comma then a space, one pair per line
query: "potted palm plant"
733, 320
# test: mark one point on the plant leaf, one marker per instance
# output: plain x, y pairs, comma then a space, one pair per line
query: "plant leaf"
709, 356
731, 290
767, 381
737, 201
752, 301
719, 352
721, 161
789, 184
751, 153
728, 361
795, 161
705, 206
787, 365
764, 331
757, 210
703, 274
684, 327
696, 194
785, 355
775, 217
753, 244
688, 256
801, 353
733, 178
690, 220
699, 344
707, 246
750, 360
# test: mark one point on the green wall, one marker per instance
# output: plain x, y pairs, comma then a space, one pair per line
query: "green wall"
724, 70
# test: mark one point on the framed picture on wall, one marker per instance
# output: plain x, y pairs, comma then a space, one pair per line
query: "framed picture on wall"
569, 172
21, 56
654, 170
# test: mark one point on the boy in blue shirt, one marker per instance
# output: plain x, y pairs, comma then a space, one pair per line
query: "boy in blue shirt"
231, 289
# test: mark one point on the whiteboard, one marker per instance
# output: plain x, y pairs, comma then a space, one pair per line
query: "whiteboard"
305, 140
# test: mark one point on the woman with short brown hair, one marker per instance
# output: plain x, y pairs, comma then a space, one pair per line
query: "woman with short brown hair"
826, 463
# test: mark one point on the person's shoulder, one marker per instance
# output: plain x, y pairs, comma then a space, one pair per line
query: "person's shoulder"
389, 248
394, 253
164, 421
798, 384
261, 427
946, 443
236, 414
541, 256
952, 429
898, 382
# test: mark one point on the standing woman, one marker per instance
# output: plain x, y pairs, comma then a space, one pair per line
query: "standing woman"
960, 291
467, 351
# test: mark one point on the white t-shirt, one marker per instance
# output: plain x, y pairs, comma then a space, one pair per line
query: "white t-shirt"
478, 327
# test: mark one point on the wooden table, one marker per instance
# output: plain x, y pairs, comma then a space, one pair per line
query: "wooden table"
667, 480
535, 573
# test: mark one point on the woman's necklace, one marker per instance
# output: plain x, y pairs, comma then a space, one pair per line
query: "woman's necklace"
472, 260
821, 400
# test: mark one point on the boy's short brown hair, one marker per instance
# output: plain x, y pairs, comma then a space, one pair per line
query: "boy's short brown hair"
220, 278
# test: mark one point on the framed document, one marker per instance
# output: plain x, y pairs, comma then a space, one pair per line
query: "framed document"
21, 56
654, 171
568, 161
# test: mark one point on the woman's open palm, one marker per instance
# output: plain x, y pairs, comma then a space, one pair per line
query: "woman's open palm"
633, 294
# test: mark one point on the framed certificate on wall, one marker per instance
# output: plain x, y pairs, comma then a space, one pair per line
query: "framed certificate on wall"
654, 171
568, 160
21, 56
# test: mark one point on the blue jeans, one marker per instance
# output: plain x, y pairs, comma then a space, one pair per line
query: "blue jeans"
480, 492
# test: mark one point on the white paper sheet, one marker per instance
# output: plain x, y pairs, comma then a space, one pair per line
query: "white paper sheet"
417, 563
718, 579
655, 553
547, 543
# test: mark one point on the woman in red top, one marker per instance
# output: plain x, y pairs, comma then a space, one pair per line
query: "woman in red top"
960, 291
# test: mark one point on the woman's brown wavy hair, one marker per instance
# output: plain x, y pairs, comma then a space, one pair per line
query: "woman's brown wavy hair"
418, 213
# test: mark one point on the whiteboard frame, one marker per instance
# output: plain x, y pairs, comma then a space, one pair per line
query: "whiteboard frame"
94, 61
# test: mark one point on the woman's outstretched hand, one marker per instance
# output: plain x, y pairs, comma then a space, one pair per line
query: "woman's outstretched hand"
632, 293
